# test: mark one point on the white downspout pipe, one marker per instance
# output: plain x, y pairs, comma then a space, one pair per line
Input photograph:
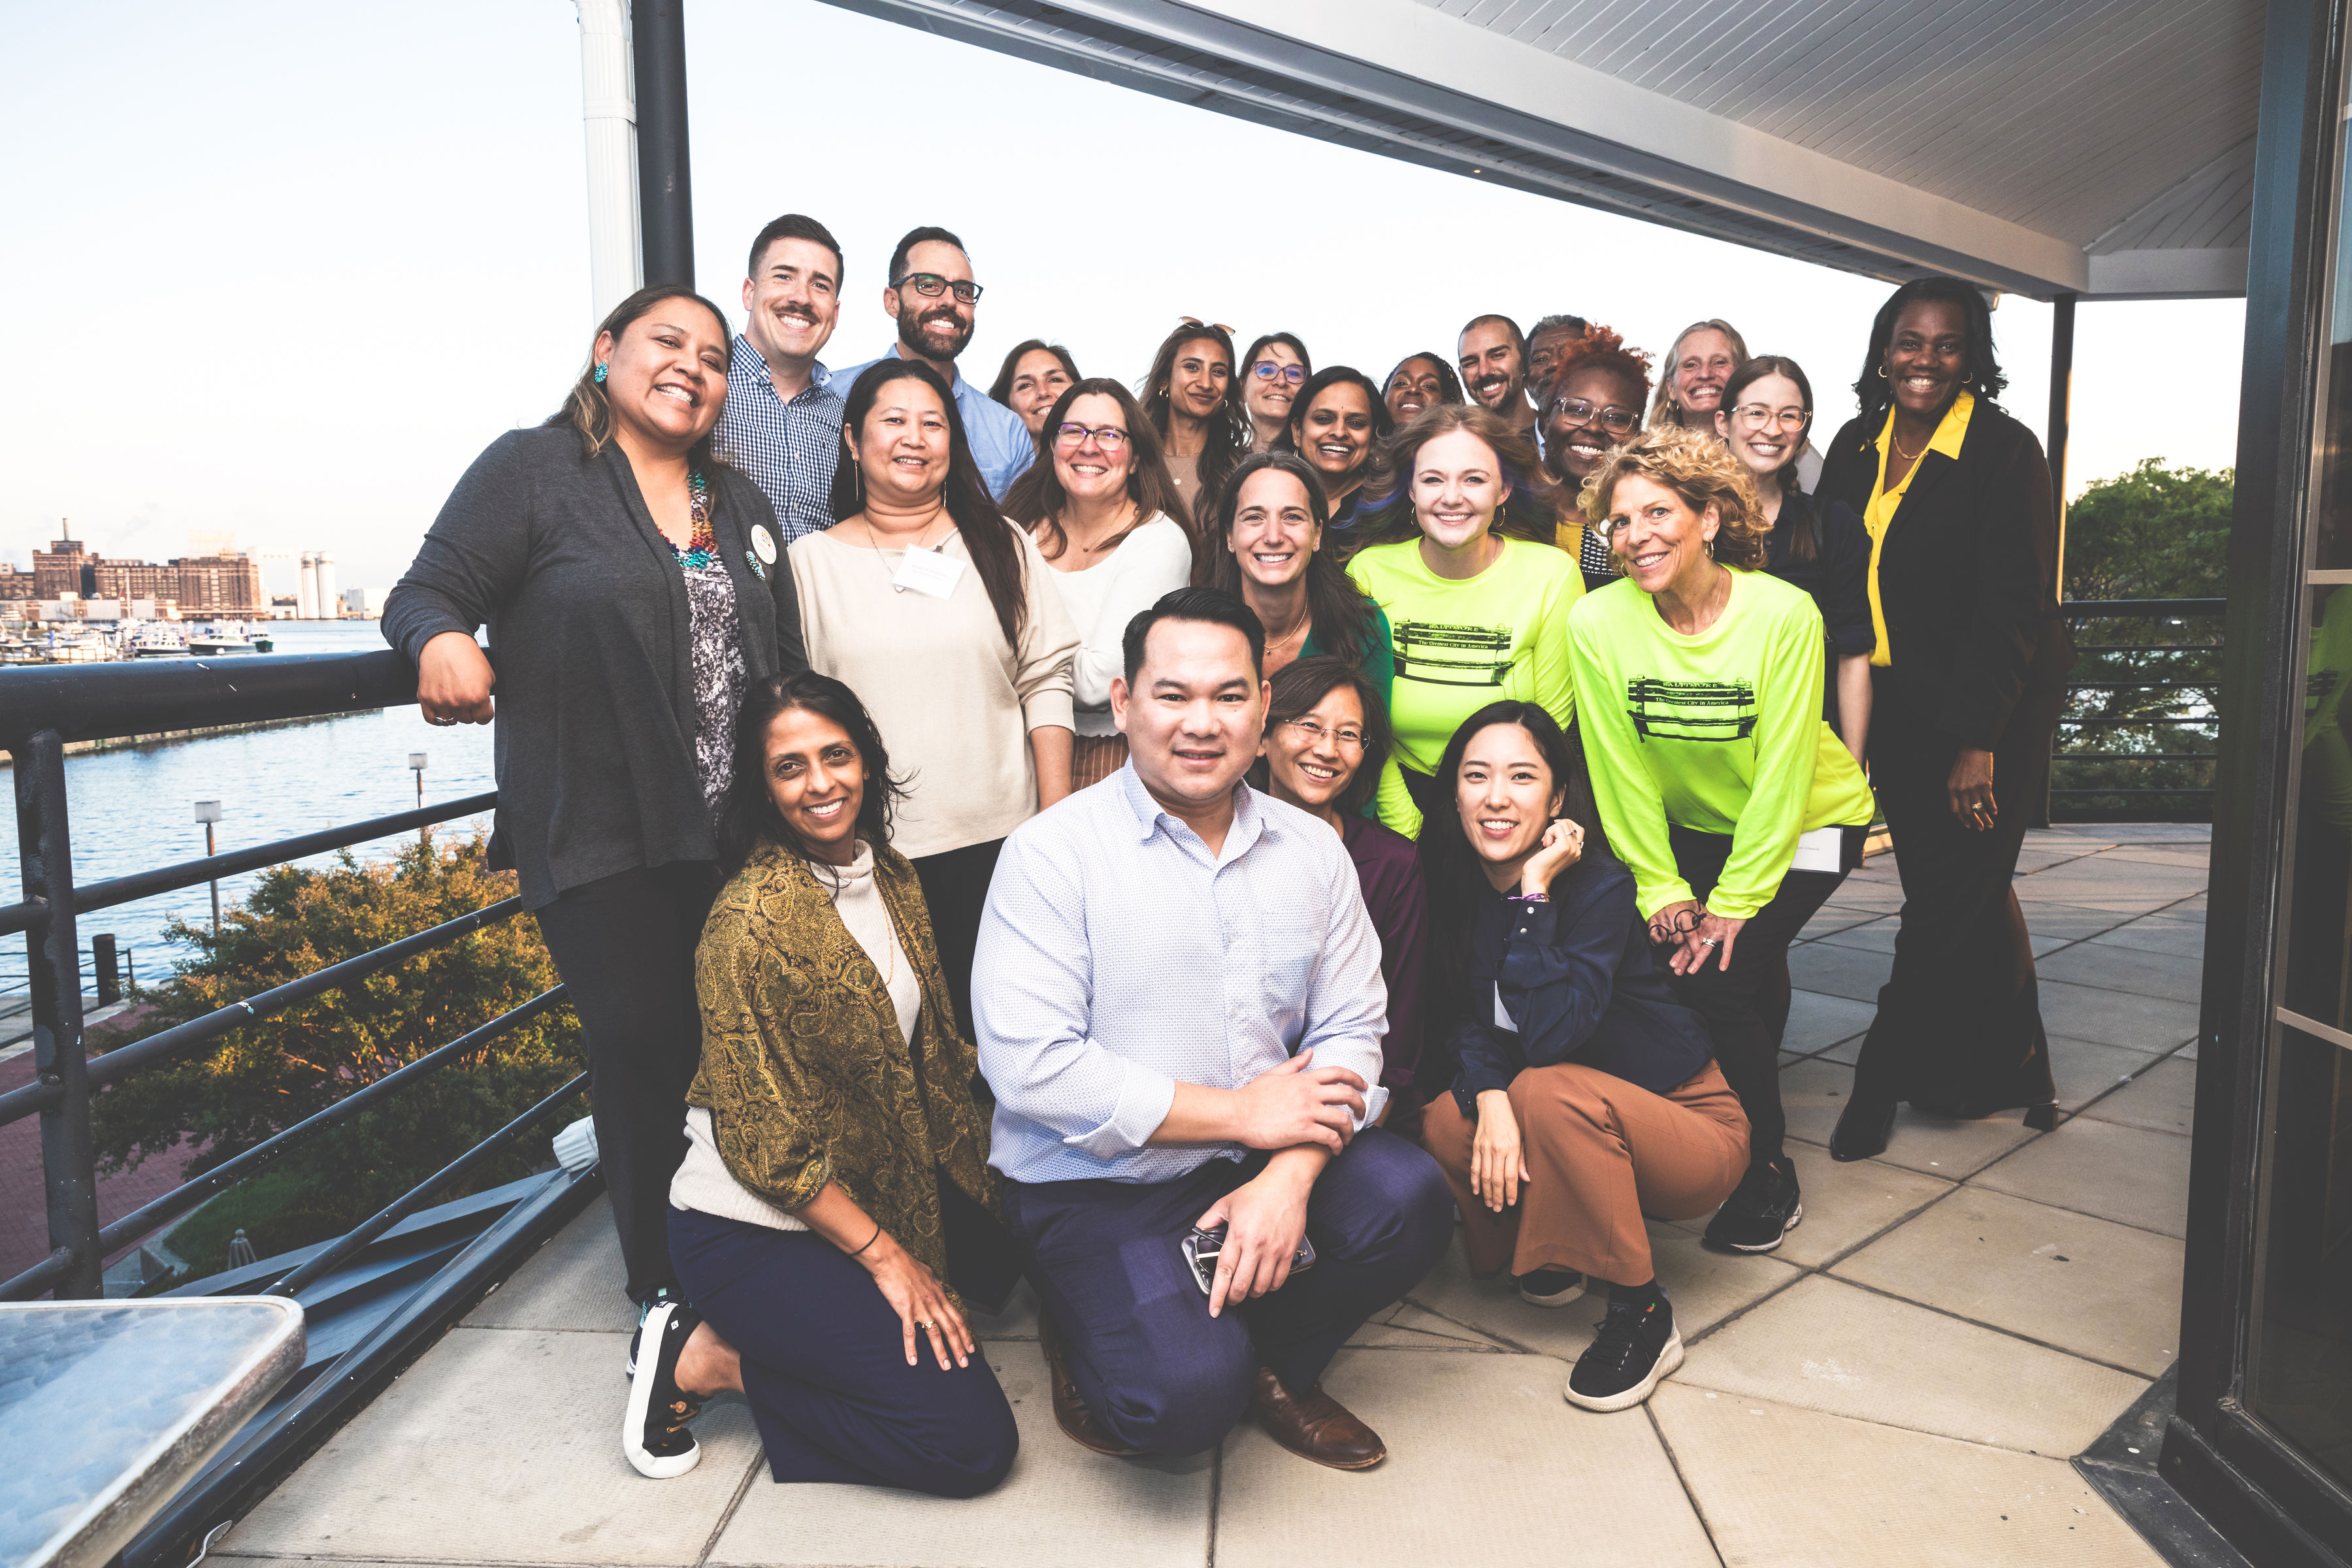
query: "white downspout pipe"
608, 88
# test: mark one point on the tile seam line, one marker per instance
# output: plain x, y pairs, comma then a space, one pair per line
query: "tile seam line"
734, 1501
1675, 1463
2005, 1333
2066, 1459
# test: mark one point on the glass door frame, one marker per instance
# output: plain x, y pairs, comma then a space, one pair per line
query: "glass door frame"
2252, 1483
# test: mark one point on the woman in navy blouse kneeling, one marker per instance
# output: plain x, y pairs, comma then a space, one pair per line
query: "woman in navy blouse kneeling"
1585, 1095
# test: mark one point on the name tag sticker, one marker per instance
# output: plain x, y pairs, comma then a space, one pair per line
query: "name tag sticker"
928, 572
1819, 850
763, 544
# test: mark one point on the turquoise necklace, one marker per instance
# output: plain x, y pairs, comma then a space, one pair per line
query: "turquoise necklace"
701, 546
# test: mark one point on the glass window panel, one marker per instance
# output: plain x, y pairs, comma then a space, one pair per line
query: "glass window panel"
2301, 1386
2318, 981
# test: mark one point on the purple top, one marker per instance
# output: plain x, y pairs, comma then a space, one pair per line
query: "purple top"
1387, 869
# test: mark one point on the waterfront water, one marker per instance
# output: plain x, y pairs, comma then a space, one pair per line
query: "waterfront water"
134, 809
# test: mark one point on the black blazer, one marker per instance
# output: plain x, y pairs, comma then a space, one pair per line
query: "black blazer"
590, 634
1967, 574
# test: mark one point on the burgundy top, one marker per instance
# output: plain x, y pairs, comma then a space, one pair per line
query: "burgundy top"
1387, 869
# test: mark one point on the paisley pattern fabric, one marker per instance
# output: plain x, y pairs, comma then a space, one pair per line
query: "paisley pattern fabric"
804, 1071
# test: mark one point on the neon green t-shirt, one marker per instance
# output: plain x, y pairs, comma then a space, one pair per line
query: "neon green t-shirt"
1462, 645
1721, 732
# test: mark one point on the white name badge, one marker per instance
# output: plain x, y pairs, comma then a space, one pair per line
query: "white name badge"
928, 572
763, 544
1820, 850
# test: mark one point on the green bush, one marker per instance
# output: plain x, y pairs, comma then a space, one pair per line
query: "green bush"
273, 1072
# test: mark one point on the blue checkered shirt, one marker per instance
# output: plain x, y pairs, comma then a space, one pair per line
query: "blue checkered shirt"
790, 449
1119, 957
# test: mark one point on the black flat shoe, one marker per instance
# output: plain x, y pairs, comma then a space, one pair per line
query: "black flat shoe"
1863, 1130
2042, 1118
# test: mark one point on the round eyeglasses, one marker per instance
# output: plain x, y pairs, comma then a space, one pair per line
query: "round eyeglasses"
1266, 370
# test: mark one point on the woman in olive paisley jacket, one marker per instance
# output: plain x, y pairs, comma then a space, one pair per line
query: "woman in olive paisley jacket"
835, 1191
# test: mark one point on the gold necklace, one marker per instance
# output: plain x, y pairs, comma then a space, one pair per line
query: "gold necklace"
1306, 618
872, 542
1896, 441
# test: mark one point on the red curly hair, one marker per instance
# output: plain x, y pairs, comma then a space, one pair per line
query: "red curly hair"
1605, 347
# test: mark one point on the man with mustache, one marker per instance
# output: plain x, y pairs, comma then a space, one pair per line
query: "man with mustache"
1494, 355
782, 422
933, 299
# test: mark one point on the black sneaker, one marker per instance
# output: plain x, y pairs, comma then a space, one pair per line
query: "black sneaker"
653, 1428
1637, 1345
1763, 1209
661, 1293
1550, 1287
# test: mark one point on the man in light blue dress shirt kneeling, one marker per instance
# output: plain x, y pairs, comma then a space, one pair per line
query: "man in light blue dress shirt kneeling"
1179, 1004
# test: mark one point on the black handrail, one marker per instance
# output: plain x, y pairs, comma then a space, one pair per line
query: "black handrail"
2177, 801
108, 702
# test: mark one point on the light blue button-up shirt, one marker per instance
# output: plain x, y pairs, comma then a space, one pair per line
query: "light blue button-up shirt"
1001, 443
1119, 957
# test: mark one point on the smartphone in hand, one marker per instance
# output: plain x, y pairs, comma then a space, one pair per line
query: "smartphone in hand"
1201, 1247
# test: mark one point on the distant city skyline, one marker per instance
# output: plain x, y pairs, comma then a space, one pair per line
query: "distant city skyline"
317, 258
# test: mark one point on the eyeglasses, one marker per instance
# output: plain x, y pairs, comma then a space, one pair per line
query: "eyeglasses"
1348, 740
931, 286
1609, 416
1109, 438
1755, 415
1665, 927
1266, 370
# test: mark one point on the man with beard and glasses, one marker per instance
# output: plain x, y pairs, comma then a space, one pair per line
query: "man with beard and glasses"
1494, 355
782, 421
934, 300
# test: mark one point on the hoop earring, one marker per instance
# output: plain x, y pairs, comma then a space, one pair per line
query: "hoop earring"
1882, 372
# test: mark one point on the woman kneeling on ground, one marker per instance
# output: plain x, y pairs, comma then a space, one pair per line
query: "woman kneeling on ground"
1584, 1095
837, 1168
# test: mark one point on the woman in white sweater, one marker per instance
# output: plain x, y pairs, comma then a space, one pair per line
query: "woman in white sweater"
938, 612
1099, 511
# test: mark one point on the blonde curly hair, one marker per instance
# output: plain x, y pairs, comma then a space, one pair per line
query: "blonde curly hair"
1702, 472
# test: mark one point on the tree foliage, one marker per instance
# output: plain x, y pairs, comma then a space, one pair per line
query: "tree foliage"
273, 1072
2155, 532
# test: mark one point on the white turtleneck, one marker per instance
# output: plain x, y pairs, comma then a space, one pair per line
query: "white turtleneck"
703, 1182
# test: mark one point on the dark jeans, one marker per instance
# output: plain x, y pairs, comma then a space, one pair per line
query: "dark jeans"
955, 887
1157, 1370
1747, 1006
1959, 1018
824, 1365
625, 947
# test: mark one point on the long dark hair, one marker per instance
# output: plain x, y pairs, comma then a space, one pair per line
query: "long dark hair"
1451, 870
1003, 389
1037, 500
1323, 381
1231, 434
748, 818
588, 408
1299, 684
1982, 373
1338, 613
988, 538
1803, 540
1531, 511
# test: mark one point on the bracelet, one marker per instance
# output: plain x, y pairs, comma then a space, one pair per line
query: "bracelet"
871, 1239
1528, 898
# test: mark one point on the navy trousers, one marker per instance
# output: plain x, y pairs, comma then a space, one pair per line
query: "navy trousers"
824, 1365
1157, 1370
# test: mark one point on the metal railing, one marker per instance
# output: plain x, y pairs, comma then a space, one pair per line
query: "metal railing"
2147, 706
43, 708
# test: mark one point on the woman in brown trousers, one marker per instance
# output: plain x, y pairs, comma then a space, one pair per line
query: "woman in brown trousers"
1584, 1095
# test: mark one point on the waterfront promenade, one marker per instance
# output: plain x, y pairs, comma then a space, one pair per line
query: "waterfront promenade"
1903, 1382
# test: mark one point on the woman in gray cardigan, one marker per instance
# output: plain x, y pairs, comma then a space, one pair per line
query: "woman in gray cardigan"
632, 589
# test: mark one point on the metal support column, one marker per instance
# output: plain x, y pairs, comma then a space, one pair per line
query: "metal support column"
2062, 409
68, 1156
665, 192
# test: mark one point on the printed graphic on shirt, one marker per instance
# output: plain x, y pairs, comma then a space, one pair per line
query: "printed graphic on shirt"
1452, 654
1691, 710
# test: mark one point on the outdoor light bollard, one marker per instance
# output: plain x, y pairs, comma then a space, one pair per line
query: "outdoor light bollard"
417, 766
208, 811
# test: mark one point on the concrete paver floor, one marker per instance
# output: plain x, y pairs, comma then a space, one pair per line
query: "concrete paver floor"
1901, 1384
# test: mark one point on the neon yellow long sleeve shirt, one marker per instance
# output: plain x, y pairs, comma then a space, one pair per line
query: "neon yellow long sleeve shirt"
1721, 732
1462, 645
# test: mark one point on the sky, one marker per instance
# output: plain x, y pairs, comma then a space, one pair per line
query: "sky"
283, 270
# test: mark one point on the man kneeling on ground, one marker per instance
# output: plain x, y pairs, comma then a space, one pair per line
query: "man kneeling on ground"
1179, 1007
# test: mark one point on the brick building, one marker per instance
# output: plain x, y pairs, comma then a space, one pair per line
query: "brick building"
228, 585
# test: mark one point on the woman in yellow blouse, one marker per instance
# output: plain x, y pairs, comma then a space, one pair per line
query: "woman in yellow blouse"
836, 1168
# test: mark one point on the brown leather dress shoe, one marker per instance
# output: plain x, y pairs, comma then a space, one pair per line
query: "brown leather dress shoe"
1077, 1421
1314, 1425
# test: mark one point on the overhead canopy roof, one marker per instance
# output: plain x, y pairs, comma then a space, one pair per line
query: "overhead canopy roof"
2102, 147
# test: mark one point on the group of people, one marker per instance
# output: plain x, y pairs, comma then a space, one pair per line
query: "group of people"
1186, 846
